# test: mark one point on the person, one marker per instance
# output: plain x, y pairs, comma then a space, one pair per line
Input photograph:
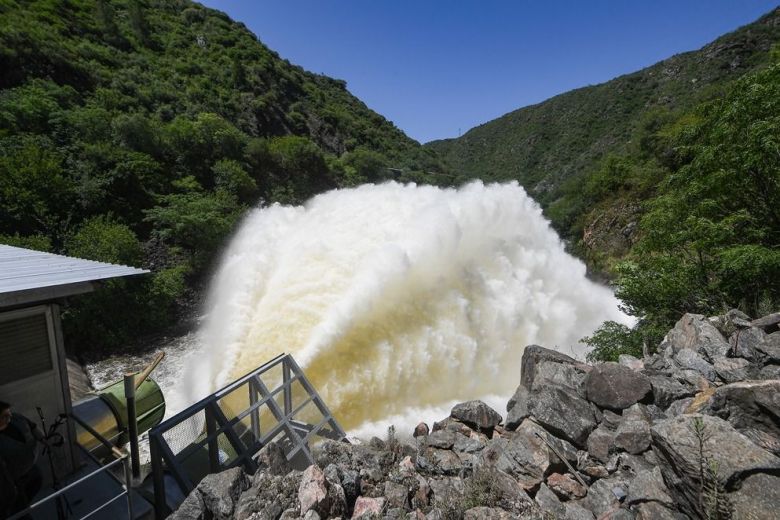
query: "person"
20, 477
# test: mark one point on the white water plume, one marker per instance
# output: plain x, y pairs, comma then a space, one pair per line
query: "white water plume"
395, 298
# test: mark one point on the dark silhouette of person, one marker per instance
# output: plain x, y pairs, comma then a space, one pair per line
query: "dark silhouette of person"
20, 477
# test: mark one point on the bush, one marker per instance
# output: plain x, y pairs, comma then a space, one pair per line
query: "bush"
106, 240
611, 340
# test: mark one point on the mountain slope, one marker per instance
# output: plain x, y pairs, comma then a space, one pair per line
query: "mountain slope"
545, 144
139, 132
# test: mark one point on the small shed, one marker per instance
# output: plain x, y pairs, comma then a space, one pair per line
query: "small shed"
33, 368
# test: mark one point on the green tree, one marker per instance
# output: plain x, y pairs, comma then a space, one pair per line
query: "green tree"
711, 239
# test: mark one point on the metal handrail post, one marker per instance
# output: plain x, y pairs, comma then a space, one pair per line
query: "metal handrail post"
160, 507
132, 425
128, 488
287, 386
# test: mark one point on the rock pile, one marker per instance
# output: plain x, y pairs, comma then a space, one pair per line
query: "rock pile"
692, 431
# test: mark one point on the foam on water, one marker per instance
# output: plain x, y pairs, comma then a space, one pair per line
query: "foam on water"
397, 300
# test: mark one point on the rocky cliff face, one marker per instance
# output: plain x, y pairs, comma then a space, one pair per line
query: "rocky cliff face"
690, 432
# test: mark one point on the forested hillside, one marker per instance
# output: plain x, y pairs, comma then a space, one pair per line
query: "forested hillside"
553, 147
139, 131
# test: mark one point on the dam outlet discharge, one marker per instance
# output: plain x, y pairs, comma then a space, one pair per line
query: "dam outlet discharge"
397, 300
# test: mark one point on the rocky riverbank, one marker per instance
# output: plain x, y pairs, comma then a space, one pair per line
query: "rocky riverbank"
692, 431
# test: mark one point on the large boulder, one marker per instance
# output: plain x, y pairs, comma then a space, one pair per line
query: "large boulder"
525, 455
366, 507
695, 332
553, 373
476, 414
221, 491
649, 486
757, 498
533, 355
313, 491
687, 443
732, 370
689, 359
606, 494
564, 413
615, 387
633, 433
770, 322
751, 407
666, 390
601, 443
517, 408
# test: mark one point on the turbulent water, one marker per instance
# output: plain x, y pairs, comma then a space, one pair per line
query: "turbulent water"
397, 300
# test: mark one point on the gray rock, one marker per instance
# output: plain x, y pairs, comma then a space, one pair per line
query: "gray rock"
442, 439
689, 359
476, 414
758, 497
631, 362
311, 514
750, 406
498, 489
633, 464
769, 323
565, 448
394, 513
770, 348
565, 486
221, 491
649, 486
549, 502
534, 354
366, 507
313, 491
732, 370
695, 332
445, 462
744, 343
465, 444
564, 414
577, 512
633, 433
656, 511
446, 489
273, 459
269, 496
397, 495
525, 458
666, 390
191, 509
601, 495
517, 408
610, 419
564, 375
676, 445
601, 442
769, 372
350, 481
421, 430
486, 513
615, 387
422, 495
679, 407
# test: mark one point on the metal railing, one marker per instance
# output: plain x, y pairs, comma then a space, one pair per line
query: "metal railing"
121, 458
220, 438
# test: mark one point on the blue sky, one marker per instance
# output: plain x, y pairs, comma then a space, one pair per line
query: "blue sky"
439, 68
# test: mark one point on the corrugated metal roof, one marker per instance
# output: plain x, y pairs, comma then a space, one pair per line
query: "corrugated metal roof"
27, 270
